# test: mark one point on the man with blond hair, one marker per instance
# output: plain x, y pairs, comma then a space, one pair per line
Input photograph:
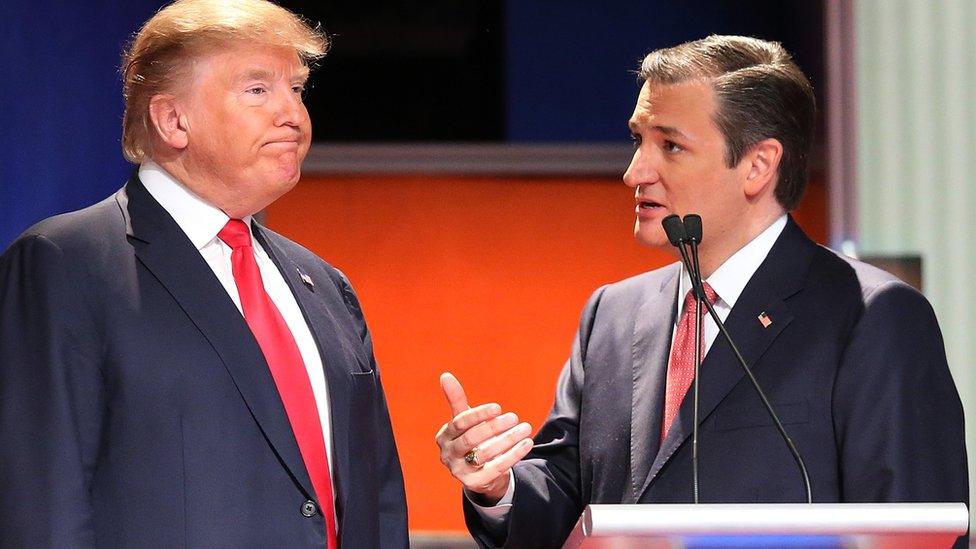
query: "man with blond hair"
172, 373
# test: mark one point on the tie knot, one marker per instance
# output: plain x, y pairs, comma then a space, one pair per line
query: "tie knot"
710, 295
235, 234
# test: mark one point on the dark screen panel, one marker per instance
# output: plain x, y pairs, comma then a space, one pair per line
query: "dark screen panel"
517, 70
409, 71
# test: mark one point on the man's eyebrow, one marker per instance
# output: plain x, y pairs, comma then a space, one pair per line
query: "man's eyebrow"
257, 74
264, 74
669, 131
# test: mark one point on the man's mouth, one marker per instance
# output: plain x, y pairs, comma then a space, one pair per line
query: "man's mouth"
287, 144
648, 205
649, 210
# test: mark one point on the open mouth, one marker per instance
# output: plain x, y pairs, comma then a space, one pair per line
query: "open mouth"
649, 210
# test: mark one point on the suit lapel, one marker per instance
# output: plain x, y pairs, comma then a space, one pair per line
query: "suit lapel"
320, 301
652, 339
779, 276
163, 248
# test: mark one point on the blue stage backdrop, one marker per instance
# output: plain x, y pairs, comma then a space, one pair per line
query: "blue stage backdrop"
570, 64
568, 78
62, 106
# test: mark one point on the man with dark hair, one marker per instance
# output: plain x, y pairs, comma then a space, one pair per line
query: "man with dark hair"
851, 357
172, 373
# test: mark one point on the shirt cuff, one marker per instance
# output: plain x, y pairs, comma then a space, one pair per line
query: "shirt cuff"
495, 515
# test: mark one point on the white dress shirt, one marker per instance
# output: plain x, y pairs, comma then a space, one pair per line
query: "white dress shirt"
201, 222
728, 281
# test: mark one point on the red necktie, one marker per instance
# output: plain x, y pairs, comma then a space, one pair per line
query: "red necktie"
286, 365
681, 369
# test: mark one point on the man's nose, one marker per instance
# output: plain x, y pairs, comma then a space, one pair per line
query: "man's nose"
642, 169
290, 110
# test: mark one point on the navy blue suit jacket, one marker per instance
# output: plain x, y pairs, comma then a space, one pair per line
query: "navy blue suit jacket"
136, 408
853, 362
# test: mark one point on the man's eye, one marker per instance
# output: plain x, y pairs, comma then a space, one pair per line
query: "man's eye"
635, 139
672, 147
298, 89
256, 90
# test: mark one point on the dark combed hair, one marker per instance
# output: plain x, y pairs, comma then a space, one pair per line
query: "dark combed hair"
760, 94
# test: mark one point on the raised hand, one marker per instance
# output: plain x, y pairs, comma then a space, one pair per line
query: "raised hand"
480, 445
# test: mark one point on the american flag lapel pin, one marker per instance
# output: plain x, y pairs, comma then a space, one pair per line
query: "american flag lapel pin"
765, 320
306, 279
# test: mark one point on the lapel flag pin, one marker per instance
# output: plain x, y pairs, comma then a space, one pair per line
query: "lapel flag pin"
765, 320
306, 279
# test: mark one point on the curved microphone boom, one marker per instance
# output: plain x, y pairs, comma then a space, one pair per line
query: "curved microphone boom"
690, 236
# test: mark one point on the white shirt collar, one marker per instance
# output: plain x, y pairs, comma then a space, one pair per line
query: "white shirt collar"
731, 277
200, 220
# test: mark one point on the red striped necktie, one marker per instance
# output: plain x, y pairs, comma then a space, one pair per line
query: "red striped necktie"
286, 365
681, 368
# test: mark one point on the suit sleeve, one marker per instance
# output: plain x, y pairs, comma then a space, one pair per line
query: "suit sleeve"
50, 400
547, 500
898, 418
392, 498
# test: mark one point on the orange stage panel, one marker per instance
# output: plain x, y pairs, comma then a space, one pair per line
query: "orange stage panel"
484, 277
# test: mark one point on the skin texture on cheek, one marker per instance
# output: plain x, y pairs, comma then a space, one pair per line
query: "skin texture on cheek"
680, 160
680, 165
228, 160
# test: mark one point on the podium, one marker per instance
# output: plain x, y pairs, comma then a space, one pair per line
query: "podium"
794, 525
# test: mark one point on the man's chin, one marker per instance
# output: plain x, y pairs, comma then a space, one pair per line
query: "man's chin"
285, 184
269, 192
652, 237
285, 177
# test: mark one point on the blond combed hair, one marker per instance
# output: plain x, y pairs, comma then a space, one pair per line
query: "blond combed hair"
162, 51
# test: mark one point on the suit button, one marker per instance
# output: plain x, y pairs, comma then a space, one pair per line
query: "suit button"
309, 509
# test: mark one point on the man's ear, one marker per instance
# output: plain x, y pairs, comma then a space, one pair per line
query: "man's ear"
168, 120
762, 162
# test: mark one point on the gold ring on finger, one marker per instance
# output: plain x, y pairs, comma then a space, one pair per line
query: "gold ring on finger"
471, 458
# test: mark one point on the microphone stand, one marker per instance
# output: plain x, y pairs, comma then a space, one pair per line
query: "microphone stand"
678, 236
681, 238
699, 297
762, 395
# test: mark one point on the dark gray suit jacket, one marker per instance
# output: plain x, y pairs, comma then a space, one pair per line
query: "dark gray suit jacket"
853, 362
137, 410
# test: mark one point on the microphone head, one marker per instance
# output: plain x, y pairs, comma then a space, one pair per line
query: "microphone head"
693, 227
675, 229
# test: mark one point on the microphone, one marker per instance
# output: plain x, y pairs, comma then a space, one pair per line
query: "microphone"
693, 233
675, 229
679, 236
693, 228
